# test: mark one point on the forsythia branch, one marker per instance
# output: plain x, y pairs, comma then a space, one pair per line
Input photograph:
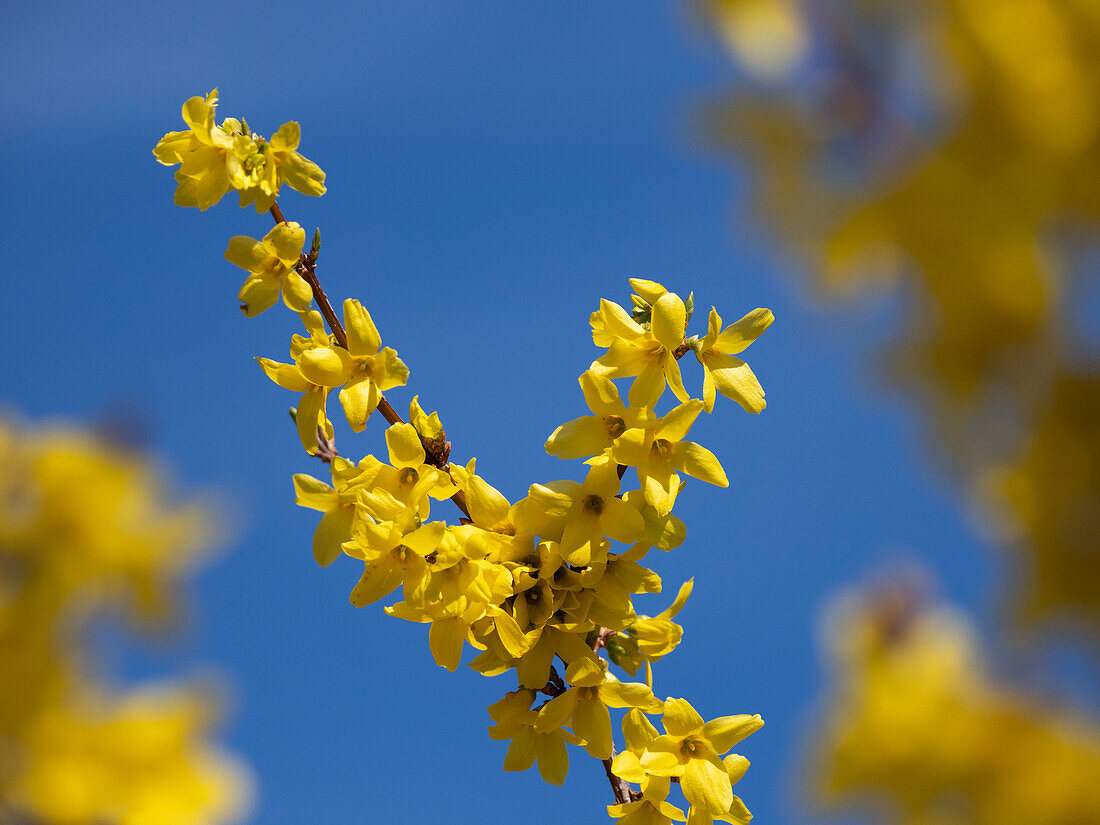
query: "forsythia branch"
549, 577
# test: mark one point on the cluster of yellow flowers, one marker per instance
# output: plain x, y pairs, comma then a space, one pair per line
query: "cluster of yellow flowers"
214, 159
84, 530
920, 731
541, 585
976, 202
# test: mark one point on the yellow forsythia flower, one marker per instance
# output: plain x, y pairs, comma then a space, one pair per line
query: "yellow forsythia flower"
213, 159
691, 750
270, 263
722, 371
85, 527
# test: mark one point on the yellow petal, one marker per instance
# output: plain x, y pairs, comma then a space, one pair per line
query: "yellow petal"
675, 380
311, 416
680, 718
488, 663
426, 538
698, 462
247, 253
580, 438
533, 669
632, 448
313, 493
285, 240
714, 329
638, 731
287, 137
521, 751
297, 294
171, 148
678, 604
647, 388
404, 446
359, 399
553, 759
286, 376
709, 390
585, 672
743, 332
332, 531
601, 395
259, 292
651, 291
557, 712
325, 366
669, 320
661, 762
622, 360
663, 532
302, 174
736, 766
707, 786
212, 186
738, 813
735, 379
627, 766
621, 522
445, 638
488, 506
314, 323
389, 370
676, 423
660, 489
377, 582
429, 426
555, 498
630, 695
592, 722
363, 337
726, 731
670, 811
199, 115
618, 322
511, 636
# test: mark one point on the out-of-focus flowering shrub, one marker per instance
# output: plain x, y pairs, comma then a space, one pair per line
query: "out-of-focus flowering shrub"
920, 731
86, 529
948, 152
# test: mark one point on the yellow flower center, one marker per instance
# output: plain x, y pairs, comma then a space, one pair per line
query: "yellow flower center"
275, 266
408, 476
615, 426
593, 504
363, 366
661, 448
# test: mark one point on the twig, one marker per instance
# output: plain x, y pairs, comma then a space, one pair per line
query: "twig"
438, 450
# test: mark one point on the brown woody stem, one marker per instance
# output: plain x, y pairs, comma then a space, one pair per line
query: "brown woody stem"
438, 450
618, 784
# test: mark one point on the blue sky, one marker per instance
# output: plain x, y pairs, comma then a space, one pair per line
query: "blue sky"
494, 170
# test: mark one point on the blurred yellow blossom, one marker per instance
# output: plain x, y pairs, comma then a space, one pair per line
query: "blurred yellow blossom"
86, 529
918, 726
